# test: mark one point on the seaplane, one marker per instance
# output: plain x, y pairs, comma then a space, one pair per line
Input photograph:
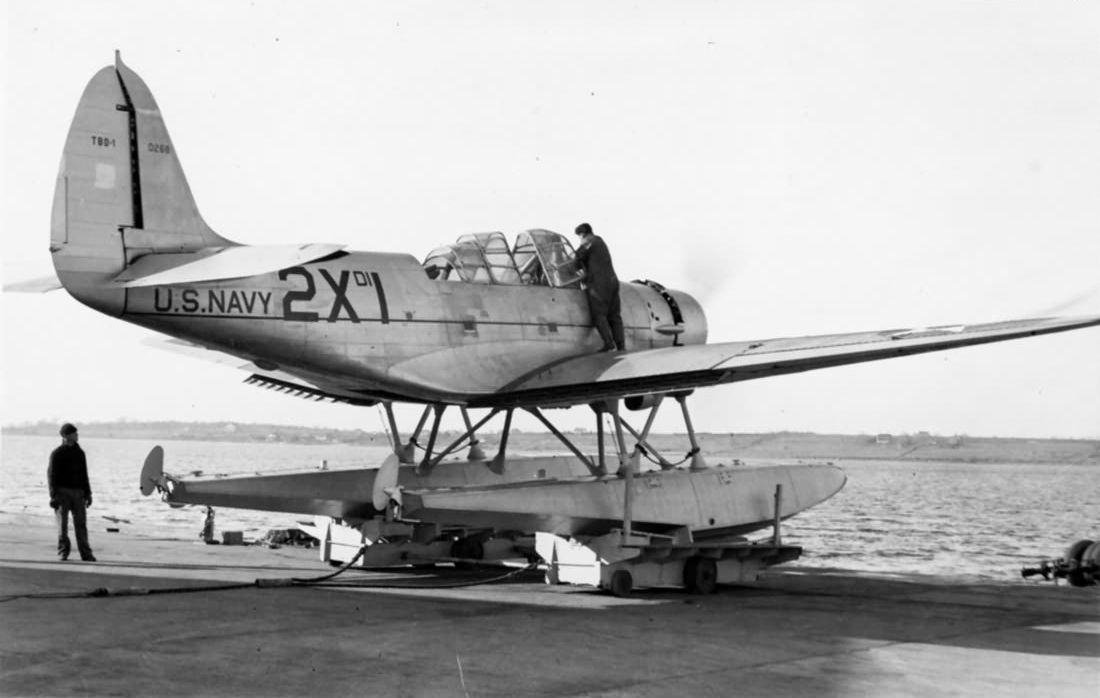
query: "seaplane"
479, 324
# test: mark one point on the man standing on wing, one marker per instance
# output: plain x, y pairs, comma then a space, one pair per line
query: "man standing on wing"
601, 287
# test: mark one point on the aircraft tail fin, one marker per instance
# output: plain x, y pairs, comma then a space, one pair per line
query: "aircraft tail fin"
121, 192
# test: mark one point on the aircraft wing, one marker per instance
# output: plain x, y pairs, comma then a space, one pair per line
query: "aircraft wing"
611, 375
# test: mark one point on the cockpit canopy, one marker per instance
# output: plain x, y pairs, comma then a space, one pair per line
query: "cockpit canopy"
540, 257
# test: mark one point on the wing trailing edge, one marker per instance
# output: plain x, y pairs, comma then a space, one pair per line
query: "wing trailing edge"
298, 389
273, 379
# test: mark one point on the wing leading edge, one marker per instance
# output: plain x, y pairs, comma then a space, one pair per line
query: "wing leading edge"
603, 376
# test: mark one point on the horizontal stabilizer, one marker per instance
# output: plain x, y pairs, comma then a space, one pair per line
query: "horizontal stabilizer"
225, 263
41, 284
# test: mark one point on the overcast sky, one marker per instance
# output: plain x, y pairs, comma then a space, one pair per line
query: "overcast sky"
800, 167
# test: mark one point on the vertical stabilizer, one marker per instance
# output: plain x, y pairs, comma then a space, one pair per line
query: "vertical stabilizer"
121, 192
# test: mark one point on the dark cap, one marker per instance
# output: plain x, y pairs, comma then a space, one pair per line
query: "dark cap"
583, 229
67, 429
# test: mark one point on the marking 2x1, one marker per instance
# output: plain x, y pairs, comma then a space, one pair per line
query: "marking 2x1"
339, 287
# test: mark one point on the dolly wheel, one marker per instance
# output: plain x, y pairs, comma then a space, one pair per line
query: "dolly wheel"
467, 549
1090, 565
700, 575
1077, 550
1075, 554
622, 583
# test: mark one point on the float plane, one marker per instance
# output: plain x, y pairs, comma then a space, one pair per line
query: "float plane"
480, 324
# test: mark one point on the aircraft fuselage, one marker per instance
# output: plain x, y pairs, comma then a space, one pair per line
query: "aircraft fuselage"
377, 322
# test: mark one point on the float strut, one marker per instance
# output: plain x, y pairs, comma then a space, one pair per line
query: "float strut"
776, 540
594, 469
497, 464
388, 406
652, 416
406, 453
426, 464
462, 439
642, 443
599, 408
626, 471
697, 460
476, 452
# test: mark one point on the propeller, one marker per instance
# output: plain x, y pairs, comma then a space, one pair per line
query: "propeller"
385, 483
153, 471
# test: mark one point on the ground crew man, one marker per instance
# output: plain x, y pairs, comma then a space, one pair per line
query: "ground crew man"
67, 477
601, 287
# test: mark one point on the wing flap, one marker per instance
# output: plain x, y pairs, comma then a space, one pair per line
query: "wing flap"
279, 380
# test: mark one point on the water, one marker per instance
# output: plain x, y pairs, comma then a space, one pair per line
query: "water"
977, 522
972, 521
114, 466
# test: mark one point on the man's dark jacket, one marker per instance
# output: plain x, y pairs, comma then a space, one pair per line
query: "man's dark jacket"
599, 273
68, 469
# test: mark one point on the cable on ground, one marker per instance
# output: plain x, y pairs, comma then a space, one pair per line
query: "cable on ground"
271, 583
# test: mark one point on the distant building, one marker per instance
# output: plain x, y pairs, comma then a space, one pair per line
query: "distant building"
884, 439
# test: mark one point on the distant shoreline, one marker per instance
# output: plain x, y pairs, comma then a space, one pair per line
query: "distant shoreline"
915, 447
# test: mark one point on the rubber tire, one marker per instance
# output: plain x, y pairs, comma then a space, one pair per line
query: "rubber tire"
475, 550
690, 566
468, 548
622, 583
1075, 554
1092, 555
1081, 552
1075, 551
700, 575
1088, 567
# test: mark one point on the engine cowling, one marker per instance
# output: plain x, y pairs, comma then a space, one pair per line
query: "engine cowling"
675, 317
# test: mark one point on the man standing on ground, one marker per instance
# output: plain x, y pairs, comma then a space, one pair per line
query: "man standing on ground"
70, 492
601, 287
